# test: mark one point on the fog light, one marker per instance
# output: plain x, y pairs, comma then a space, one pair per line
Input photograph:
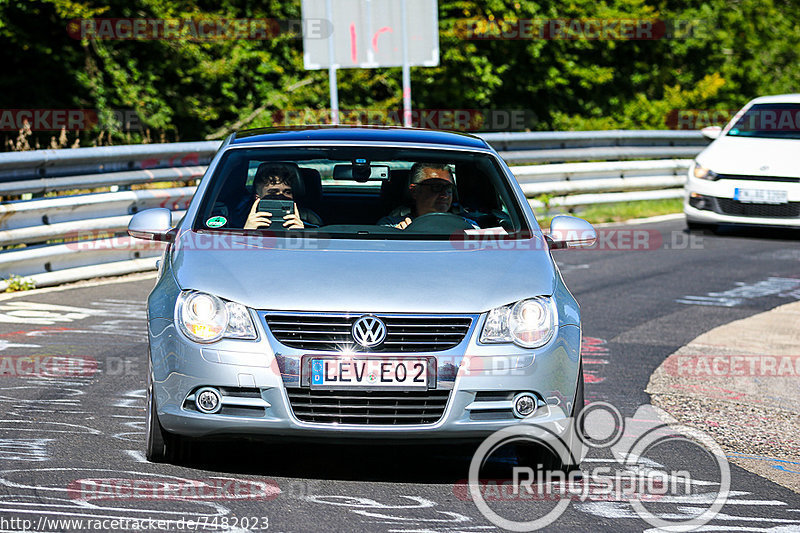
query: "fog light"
207, 400
698, 201
525, 404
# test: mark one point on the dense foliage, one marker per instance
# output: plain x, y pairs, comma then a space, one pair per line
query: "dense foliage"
189, 89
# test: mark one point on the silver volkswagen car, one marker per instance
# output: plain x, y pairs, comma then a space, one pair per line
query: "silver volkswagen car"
358, 283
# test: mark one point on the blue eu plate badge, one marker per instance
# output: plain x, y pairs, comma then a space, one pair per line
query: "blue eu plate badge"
316, 372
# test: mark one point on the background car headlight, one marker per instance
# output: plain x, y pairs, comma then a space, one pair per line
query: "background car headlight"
703, 173
205, 318
528, 323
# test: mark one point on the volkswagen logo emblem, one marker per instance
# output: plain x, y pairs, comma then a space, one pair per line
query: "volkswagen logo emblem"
369, 331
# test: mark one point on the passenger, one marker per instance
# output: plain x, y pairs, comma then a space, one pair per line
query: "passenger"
432, 188
277, 181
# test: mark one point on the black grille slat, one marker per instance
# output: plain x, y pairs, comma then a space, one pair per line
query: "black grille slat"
728, 206
782, 179
418, 343
416, 407
403, 333
368, 408
320, 394
310, 331
338, 418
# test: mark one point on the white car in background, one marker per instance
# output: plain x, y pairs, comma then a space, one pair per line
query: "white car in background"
750, 174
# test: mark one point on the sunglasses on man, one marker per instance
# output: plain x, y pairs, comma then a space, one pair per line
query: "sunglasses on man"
438, 188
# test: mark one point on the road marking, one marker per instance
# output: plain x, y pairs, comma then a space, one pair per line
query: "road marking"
41, 427
79, 285
41, 313
455, 518
593, 352
16, 449
772, 286
136, 455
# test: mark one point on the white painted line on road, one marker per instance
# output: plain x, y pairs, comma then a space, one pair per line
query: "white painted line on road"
79, 285
136, 455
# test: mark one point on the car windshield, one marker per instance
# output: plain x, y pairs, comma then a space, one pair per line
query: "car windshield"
364, 192
778, 121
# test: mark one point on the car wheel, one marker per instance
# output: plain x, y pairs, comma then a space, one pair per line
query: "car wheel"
576, 440
533, 455
158, 440
162, 446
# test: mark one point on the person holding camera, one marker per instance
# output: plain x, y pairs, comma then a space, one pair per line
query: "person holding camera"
276, 181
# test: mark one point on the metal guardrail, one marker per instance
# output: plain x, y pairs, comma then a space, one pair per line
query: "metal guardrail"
573, 185
68, 238
617, 145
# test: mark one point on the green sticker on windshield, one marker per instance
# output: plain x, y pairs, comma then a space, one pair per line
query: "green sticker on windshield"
216, 222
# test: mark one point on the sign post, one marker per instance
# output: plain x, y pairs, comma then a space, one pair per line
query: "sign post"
373, 34
406, 67
334, 90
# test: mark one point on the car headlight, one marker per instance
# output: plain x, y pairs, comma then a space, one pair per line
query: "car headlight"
527, 323
703, 173
205, 318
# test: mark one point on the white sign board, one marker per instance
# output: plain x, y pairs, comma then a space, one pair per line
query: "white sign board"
368, 34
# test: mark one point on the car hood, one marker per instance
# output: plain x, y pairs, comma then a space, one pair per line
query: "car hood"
365, 276
751, 156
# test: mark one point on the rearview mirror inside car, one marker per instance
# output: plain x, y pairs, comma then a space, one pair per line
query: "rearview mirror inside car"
345, 172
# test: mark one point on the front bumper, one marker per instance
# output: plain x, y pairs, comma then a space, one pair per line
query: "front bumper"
711, 202
480, 379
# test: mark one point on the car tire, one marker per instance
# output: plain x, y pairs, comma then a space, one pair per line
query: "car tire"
158, 440
161, 445
577, 440
532, 455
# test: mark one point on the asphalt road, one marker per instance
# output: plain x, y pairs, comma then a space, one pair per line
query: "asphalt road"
62, 438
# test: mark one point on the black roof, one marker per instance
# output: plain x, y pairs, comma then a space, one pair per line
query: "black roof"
386, 134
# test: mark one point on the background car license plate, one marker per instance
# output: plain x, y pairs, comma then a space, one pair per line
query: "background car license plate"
346, 373
760, 196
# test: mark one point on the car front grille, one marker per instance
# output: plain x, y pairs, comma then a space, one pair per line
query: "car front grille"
404, 333
727, 206
368, 407
783, 179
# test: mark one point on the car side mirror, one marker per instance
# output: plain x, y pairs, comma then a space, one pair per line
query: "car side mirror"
711, 132
152, 225
570, 232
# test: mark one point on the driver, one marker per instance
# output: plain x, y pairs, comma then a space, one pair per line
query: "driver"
432, 188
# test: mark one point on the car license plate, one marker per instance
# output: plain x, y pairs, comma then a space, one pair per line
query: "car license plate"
760, 196
371, 373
